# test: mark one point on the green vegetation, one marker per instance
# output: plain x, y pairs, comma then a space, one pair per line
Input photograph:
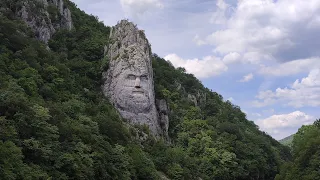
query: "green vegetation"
306, 153
213, 140
54, 120
287, 141
56, 124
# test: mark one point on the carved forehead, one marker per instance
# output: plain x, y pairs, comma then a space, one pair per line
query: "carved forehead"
124, 35
129, 50
136, 69
132, 59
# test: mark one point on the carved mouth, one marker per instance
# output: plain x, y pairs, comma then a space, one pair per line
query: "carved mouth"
138, 92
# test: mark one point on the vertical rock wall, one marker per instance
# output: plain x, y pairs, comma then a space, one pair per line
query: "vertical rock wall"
128, 82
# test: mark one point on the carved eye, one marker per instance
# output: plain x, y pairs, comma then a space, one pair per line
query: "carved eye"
131, 77
144, 77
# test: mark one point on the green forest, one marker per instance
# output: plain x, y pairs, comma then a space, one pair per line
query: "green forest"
56, 124
305, 153
287, 141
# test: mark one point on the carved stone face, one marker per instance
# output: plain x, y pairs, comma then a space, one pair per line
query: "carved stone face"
133, 90
128, 82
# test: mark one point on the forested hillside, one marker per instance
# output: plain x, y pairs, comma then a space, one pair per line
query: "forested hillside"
215, 134
287, 141
306, 153
56, 124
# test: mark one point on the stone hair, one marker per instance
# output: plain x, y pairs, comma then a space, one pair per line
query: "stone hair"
128, 47
126, 34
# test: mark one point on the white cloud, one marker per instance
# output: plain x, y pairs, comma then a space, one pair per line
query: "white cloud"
198, 41
137, 8
279, 30
232, 58
304, 92
291, 68
219, 17
283, 125
247, 78
207, 67
253, 58
312, 80
230, 99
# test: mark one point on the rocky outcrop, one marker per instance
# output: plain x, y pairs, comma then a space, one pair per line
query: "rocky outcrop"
128, 82
193, 99
163, 111
45, 17
197, 99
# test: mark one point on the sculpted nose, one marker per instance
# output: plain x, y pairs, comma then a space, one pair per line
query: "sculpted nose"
137, 83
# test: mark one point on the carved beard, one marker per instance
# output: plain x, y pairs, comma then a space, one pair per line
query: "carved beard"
132, 100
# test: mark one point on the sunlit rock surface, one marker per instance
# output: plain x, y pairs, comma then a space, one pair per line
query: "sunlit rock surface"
45, 17
128, 82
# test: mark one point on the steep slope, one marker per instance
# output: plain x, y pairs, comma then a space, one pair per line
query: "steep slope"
305, 147
44, 17
213, 133
56, 123
287, 140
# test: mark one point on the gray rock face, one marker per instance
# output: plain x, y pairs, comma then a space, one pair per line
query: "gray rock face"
198, 99
35, 13
193, 98
128, 82
163, 111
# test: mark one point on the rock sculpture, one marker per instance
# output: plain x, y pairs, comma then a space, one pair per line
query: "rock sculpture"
128, 82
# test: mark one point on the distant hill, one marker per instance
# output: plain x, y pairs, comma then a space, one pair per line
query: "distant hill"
287, 141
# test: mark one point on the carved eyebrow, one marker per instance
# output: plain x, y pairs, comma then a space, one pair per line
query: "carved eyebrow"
131, 76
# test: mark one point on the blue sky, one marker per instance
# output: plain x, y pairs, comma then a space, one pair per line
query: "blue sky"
263, 55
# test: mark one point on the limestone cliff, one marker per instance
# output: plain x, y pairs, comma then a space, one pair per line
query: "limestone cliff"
163, 112
44, 17
128, 82
198, 98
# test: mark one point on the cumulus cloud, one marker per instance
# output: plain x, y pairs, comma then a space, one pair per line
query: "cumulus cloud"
304, 92
137, 8
283, 125
247, 78
202, 68
232, 58
291, 68
219, 16
253, 58
277, 29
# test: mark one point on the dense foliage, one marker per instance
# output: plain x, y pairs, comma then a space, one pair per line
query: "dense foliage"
213, 139
306, 153
287, 141
55, 122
